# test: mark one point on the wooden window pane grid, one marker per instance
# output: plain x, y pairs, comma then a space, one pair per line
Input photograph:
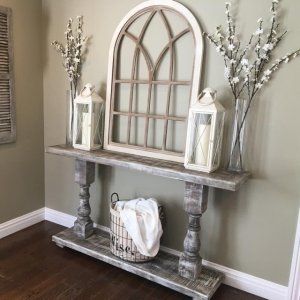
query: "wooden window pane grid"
151, 82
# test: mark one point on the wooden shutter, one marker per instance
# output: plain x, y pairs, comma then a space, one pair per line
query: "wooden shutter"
7, 101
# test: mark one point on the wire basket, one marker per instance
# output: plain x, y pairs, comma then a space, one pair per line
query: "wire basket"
121, 243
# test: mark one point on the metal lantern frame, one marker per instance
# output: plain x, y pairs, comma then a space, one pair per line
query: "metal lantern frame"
207, 106
95, 126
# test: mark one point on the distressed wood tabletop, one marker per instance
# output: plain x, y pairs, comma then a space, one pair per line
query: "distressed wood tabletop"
162, 270
220, 179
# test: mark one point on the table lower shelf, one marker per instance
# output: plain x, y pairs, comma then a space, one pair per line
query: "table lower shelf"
162, 270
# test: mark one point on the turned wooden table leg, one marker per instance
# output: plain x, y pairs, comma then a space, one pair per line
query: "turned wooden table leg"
195, 204
84, 176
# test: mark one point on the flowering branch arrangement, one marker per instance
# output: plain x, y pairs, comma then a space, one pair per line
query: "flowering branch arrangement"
249, 68
72, 52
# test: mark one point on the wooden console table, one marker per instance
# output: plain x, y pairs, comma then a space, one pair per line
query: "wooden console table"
185, 274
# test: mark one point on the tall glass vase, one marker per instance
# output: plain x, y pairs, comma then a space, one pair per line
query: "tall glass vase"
236, 159
69, 117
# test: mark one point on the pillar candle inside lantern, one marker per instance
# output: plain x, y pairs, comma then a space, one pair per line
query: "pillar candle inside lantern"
86, 132
202, 140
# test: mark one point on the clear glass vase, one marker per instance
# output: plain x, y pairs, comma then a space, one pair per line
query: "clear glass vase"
69, 117
236, 158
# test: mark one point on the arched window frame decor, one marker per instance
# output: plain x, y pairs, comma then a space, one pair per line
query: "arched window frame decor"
194, 28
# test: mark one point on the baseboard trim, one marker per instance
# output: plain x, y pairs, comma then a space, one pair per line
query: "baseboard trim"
251, 284
294, 282
245, 282
248, 283
21, 222
58, 217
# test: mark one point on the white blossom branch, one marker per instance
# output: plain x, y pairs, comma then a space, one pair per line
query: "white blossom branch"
72, 52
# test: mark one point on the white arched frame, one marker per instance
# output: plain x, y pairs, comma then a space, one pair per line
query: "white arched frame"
151, 6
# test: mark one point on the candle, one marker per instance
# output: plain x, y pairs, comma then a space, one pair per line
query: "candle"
86, 129
202, 139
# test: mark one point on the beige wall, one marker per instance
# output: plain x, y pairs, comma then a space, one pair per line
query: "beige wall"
22, 163
252, 230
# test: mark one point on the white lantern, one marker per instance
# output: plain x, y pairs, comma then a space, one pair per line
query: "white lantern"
88, 119
205, 132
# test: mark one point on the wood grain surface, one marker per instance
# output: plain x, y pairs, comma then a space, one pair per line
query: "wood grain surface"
219, 179
162, 270
33, 267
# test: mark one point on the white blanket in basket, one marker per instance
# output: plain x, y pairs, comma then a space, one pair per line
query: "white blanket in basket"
141, 220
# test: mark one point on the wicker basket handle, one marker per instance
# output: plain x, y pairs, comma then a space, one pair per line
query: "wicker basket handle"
112, 198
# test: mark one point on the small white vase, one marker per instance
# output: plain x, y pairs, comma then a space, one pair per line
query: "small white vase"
236, 159
69, 118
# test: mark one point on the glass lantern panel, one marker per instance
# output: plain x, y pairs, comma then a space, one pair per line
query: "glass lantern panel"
97, 124
83, 125
216, 154
200, 142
